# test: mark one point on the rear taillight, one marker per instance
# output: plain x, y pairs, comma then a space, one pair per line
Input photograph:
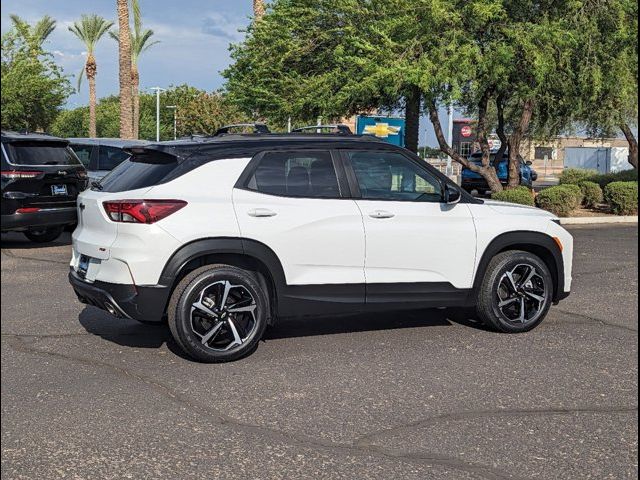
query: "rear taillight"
15, 174
28, 210
141, 211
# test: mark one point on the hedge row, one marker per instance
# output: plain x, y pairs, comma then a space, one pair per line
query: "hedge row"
560, 200
521, 195
622, 197
575, 176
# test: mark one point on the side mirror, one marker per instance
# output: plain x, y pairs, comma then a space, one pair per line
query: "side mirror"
451, 195
528, 163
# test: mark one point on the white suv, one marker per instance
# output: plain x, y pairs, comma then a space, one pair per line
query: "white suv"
223, 235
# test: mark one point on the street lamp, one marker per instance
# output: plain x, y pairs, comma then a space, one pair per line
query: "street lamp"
158, 90
175, 119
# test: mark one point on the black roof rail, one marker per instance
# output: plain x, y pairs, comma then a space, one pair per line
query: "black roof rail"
338, 127
259, 128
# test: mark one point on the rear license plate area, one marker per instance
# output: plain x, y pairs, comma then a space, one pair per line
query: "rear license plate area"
59, 190
83, 265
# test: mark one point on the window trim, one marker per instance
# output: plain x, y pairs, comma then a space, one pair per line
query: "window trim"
353, 179
245, 177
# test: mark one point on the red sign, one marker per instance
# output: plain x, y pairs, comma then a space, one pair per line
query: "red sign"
466, 131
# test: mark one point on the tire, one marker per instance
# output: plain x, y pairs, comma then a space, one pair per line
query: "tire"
500, 300
210, 331
44, 235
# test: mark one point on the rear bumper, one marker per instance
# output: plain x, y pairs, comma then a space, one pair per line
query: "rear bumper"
44, 218
142, 303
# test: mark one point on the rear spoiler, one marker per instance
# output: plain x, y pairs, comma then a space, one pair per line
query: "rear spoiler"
158, 154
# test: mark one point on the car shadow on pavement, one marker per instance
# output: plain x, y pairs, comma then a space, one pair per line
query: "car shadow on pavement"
17, 241
133, 334
128, 333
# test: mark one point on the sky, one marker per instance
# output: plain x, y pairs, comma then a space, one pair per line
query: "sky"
194, 43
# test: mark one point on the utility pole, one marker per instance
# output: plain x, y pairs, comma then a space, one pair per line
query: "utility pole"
158, 90
175, 120
449, 172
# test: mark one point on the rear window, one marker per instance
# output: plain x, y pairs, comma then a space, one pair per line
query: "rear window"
41, 153
137, 172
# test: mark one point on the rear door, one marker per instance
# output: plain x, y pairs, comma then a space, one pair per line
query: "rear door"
293, 202
416, 245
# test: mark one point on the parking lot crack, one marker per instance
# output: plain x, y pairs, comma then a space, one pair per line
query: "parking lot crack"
370, 438
11, 254
597, 320
19, 343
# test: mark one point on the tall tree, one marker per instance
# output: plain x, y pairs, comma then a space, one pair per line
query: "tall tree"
606, 66
90, 29
34, 35
258, 9
124, 65
34, 88
140, 42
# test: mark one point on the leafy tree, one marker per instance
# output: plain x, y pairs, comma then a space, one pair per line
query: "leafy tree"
33, 87
140, 42
90, 29
606, 65
198, 113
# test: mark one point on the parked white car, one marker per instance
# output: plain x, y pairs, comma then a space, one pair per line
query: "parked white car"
223, 235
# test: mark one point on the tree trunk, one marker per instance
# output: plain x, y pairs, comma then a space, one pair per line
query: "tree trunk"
258, 9
515, 141
412, 119
135, 81
633, 144
504, 141
124, 61
91, 70
488, 173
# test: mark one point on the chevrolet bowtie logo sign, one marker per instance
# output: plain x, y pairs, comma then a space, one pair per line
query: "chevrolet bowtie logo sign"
381, 130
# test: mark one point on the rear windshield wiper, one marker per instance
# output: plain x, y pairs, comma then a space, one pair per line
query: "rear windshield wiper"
96, 185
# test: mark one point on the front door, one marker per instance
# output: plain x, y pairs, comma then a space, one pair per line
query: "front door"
417, 247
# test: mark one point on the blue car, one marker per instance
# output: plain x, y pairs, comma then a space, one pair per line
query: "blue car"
474, 181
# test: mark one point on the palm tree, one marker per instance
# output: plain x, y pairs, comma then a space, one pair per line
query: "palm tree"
89, 30
124, 61
258, 9
34, 36
140, 41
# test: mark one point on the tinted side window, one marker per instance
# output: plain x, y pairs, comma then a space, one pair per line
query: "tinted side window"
392, 176
83, 152
110, 157
296, 174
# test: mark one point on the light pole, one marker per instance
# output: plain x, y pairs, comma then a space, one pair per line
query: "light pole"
450, 140
175, 119
158, 90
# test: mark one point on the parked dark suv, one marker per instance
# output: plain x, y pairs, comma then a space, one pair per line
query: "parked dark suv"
41, 179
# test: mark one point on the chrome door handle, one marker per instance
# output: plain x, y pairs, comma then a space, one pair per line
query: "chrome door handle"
381, 214
261, 212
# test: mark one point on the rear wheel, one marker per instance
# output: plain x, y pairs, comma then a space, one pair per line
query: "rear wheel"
516, 292
44, 235
218, 313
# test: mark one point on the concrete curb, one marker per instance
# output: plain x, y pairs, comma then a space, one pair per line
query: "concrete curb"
592, 220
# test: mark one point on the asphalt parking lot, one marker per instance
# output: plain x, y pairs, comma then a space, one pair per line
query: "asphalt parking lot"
426, 395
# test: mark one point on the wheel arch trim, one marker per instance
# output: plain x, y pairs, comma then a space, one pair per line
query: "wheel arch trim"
527, 241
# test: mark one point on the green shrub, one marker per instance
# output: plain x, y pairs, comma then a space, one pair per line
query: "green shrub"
521, 195
605, 179
573, 176
592, 194
560, 200
622, 197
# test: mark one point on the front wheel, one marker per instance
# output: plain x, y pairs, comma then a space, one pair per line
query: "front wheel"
218, 313
44, 235
516, 292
